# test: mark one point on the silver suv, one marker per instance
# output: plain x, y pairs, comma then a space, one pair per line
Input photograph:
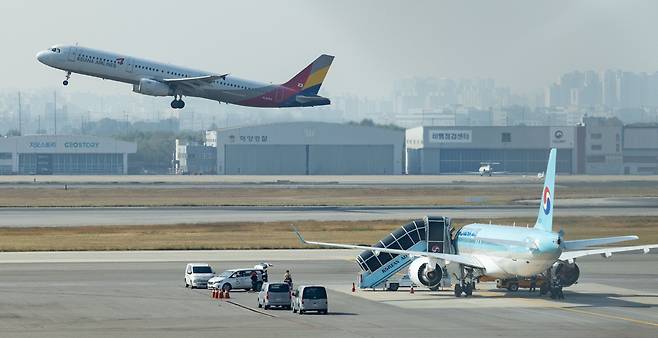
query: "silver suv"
274, 294
310, 298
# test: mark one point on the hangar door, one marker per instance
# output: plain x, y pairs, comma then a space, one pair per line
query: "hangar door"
350, 160
263, 159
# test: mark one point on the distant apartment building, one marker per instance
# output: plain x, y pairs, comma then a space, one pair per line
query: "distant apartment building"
611, 88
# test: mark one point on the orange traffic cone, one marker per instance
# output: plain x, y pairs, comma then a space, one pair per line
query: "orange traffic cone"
220, 294
353, 287
227, 295
213, 294
411, 291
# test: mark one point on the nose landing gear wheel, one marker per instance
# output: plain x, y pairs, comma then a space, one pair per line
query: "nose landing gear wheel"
66, 81
177, 104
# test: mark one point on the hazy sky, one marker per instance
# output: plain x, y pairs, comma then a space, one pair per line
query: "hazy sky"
523, 44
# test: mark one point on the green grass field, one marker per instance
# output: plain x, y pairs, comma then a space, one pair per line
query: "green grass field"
300, 196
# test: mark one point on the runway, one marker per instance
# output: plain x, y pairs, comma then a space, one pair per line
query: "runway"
57, 217
90, 296
143, 181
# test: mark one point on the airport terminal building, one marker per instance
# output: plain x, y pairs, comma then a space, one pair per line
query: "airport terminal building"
64, 155
194, 159
308, 148
518, 149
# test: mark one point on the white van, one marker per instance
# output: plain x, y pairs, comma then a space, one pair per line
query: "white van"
309, 298
197, 275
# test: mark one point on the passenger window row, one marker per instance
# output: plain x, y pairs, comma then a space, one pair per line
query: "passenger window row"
161, 71
152, 69
98, 58
233, 85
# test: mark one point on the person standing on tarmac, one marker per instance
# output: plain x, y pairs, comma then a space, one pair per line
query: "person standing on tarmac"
533, 283
254, 280
287, 278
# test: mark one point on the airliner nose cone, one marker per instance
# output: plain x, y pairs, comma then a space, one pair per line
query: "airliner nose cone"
41, 56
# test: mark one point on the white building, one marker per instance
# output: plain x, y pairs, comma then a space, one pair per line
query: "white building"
64, 155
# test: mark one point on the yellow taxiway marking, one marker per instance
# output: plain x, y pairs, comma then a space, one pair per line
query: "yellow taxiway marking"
603, 315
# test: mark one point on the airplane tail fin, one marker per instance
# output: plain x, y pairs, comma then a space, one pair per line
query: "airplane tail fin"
547, 202
309, 80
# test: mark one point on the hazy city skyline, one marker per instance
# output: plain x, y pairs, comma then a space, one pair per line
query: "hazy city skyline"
521, 45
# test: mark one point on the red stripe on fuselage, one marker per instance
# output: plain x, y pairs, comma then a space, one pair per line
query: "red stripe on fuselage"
270, 98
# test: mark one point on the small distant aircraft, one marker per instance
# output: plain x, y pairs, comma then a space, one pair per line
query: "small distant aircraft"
508, 253
160, 79
486, 168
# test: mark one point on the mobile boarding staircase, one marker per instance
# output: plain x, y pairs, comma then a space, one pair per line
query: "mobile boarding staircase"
430, 234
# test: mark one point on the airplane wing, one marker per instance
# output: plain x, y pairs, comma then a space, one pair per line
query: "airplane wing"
605, 252
584, 243
195, 81
461, 259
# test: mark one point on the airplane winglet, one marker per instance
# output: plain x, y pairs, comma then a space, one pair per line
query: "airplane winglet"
299, 235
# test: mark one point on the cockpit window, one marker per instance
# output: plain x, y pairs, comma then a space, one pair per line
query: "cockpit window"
55, 50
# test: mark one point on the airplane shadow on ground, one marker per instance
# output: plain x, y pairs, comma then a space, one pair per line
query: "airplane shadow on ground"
603, 299
573, 298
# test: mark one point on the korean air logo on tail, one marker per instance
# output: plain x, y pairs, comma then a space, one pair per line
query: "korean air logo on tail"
546, 201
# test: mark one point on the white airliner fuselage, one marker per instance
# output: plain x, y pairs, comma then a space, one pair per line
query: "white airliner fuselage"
161, 79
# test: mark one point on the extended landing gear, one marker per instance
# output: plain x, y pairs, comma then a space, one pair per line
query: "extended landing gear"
66, 81
466, 289
178, 103
552, 285
465, 283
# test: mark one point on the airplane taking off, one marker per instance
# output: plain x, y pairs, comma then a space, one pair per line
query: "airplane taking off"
506, 252
161, 79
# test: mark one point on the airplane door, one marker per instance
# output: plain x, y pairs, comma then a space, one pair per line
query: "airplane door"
129, 64
73, 53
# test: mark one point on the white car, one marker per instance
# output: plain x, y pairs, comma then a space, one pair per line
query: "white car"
236, 279
197, 275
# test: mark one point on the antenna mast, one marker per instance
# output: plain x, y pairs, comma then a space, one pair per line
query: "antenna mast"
55, 109
20, 117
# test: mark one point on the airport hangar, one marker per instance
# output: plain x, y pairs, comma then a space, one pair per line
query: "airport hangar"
518, 149
598, 146
64, 155
308, 148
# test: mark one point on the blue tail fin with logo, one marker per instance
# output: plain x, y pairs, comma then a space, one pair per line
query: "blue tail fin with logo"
547, 202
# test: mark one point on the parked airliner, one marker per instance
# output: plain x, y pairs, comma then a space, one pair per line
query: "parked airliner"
161, 79
507, 252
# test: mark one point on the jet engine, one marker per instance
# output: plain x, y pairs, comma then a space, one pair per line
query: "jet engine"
153, 88
567, 273
420, 274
